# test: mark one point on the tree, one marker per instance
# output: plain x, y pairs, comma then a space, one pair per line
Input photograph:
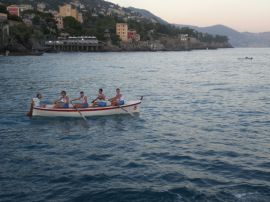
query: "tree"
3, 9
72, 26
21, 33
36, 20
221, 39
14, 18
187, 30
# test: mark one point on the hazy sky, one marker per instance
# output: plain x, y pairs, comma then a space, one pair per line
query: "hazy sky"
242, 15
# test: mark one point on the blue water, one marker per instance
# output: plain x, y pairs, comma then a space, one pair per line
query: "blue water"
203, 133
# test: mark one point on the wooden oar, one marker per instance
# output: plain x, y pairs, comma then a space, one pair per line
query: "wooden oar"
30, 113
79, 112
126, 110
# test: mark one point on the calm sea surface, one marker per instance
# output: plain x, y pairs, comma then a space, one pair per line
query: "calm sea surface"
203, 133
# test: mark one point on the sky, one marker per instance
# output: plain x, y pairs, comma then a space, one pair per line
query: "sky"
241, 15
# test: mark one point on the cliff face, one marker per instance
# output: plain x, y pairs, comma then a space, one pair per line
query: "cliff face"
27, 33
20, 38
17, 46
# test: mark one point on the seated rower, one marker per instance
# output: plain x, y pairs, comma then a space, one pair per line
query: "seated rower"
82, 99
63, 101
118, 99
100, 101
35, 103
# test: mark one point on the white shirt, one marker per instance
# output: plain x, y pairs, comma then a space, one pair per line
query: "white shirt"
36, 102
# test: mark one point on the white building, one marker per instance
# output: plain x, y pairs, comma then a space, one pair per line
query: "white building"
25, 7
41, 7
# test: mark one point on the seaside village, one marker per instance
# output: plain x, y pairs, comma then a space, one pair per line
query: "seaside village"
75, 9
67, 42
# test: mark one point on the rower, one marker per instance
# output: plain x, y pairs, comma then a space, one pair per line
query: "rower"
100, 101
35, 103
36, 100
118, 99
63, 101
82, 99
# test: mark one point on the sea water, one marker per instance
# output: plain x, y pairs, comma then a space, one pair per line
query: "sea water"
203, 133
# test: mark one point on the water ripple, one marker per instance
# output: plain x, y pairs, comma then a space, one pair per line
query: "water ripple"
202, 134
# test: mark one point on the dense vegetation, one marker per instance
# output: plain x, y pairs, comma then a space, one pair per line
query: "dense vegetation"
3, 9
53, 4
43, 27
21, 34
149, 30
98, 25
72, 26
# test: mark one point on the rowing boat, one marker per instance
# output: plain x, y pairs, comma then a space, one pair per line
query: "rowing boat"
130, 107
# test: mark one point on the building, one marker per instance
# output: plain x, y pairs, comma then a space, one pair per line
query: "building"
80, 43
80, 17
17, 9
41, 7
122, 31
125, 34
183, 37
77, 4
27, 22
107, 34
133, 36
138, 37
14, 10
3, 17
117, 11
59, 21
25, 7
70, 10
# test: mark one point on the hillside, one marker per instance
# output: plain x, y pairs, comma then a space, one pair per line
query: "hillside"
147, 14
237, 39
53, 4
100, 19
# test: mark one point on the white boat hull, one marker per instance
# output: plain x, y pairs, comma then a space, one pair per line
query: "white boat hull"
49, 111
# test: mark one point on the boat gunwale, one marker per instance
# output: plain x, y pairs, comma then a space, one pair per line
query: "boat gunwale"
87, 109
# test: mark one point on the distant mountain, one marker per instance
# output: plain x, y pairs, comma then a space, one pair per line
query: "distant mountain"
148, 15
237, 39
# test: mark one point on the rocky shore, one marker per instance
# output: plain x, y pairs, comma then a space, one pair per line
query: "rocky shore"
165, 44
168, 45
17, 49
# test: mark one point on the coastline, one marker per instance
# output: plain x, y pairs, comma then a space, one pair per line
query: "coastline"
102, 51
123, 48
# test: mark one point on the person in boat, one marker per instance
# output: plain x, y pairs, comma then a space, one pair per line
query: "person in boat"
100, 101
63, 101
118, 99
35, 103
83, 101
